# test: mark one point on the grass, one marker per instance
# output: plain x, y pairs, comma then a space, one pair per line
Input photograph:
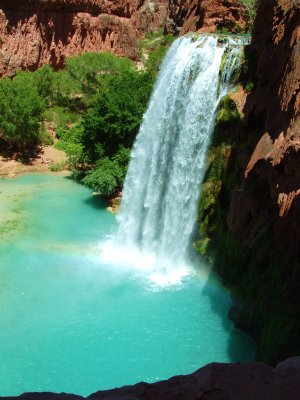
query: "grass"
58, 166
153, 48
61, 116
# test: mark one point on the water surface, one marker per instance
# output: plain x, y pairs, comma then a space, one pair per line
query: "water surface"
72, 321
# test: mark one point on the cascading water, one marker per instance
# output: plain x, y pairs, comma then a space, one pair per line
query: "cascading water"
162, 185
72, 323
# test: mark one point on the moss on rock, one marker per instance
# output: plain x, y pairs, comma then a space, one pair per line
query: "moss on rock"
249, 263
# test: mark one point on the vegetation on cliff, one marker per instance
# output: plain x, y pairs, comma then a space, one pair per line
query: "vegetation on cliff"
94, 106
99, 145
241, 231
216, 187
251, 7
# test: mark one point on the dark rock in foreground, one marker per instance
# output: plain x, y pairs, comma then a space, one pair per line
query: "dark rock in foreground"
215, 381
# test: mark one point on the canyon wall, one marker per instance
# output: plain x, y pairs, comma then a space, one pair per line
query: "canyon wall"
37, 32
251, 228
251, 224
209, 15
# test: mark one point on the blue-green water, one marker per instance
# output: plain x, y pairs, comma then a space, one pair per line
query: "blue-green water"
71, 322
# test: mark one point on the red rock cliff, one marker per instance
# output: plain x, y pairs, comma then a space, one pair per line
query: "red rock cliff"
272, 118
35, 32
261, 252
209, 15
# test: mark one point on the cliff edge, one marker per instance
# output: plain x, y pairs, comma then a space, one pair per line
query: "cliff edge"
253, 227
212, 382
37, 32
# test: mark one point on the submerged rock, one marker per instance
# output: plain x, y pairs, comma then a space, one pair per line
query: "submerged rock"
115, 204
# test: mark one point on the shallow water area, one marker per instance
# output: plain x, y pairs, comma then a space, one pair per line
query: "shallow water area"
76, 319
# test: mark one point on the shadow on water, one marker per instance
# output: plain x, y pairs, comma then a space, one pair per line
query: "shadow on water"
95, 202
241, 347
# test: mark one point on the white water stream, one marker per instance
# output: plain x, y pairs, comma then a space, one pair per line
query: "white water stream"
167, 165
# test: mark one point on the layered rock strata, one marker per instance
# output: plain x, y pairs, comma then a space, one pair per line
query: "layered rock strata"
209, 16
37, 32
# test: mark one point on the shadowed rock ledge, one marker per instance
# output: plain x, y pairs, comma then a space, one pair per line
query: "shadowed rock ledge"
215, 381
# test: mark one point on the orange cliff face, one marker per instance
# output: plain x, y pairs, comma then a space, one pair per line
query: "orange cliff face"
264, 209
272, 117
209, 15
37, 32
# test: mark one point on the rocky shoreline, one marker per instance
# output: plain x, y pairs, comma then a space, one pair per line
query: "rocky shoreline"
216, 381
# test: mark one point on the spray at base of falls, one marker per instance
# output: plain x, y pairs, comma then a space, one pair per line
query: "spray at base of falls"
167, 166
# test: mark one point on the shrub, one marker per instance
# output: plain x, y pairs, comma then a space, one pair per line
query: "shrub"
108, 175
116, 116
21, 108
58, 166
249, 87
45, 137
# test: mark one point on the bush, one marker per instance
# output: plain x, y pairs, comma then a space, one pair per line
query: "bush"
77, 84
44, 80
58, 166
21, 108
45, 137
249, 87
251, 7
71, 142
117, 114
152, 50
98, 141
108, 175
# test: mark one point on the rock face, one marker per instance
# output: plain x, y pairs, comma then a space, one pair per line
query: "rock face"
212, 382
267, 197
272, 114
257, 248
209, 15
36, 32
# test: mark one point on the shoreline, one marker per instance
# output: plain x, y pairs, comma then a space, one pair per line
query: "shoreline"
49, 155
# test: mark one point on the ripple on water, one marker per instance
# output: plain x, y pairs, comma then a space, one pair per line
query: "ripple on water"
78, 314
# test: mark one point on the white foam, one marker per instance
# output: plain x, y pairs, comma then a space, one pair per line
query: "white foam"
147, 266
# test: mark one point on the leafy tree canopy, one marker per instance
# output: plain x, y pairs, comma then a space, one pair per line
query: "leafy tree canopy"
21, 108
116, 116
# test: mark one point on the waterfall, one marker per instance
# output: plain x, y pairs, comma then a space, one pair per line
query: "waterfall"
167, 166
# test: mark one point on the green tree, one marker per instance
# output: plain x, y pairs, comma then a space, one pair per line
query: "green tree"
108, 175
21, 109
44, 81
116, 116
